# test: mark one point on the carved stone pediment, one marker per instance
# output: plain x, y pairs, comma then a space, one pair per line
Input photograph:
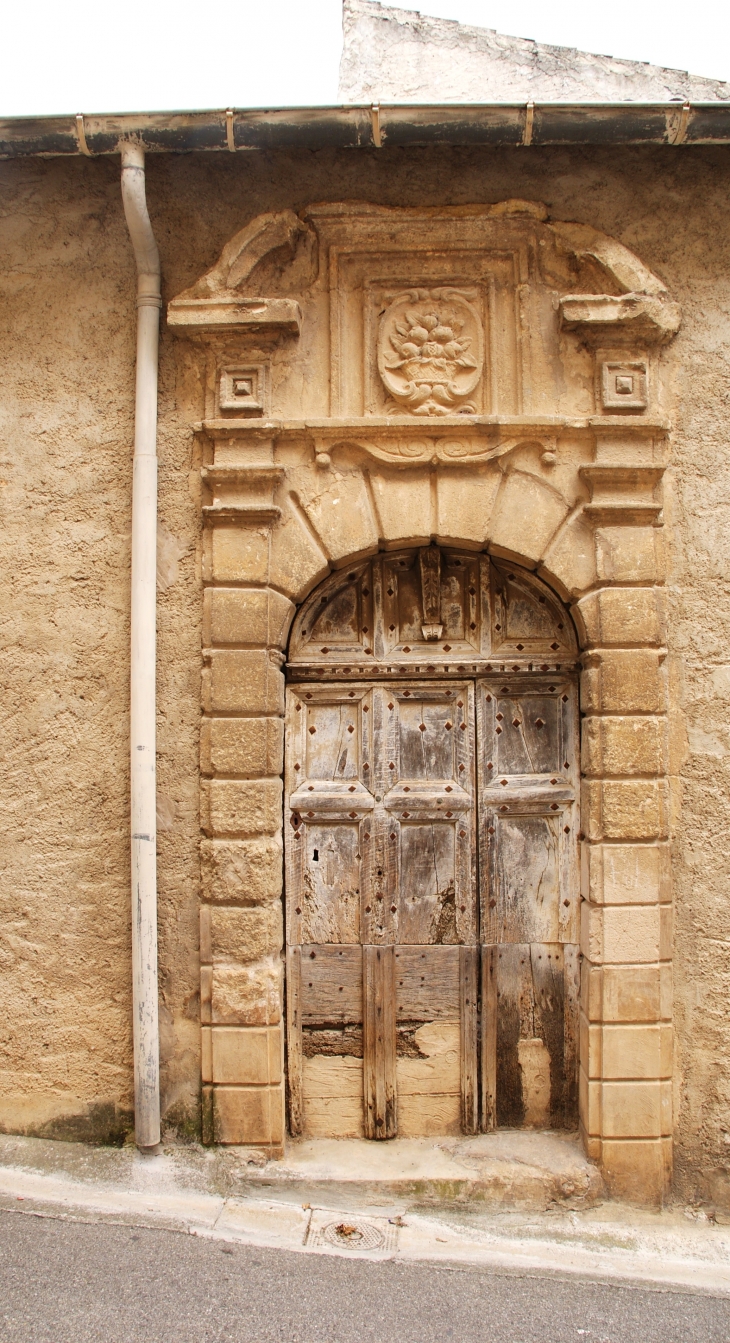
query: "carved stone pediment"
422, 315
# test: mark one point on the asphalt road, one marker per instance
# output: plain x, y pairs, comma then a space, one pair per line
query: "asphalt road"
77, 1282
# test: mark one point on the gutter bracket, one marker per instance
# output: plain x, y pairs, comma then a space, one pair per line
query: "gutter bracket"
680, 135
529, 117
375, 122
81, 136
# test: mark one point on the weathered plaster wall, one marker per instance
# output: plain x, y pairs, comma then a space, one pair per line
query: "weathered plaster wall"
66, 354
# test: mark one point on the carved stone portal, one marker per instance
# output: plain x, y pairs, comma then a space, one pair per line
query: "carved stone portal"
439, 422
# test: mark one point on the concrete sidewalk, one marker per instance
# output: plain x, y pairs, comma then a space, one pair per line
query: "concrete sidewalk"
452, 1201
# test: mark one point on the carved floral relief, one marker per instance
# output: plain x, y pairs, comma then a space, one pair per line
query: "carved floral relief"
431, 351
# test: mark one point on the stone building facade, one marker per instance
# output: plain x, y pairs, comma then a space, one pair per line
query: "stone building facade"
442, 467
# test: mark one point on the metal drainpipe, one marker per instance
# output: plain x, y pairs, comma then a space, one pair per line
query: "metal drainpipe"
143, 657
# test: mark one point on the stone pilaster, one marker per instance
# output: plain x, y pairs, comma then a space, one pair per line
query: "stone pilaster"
626, 999
245, 625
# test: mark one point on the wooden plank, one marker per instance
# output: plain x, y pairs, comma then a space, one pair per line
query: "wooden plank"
435, 1116
434, 1066
489, 1039
334, 1117
514, 1002
331, 984
548, 983
468, 976
331, 1077
427, 983
379, 1041
571, 954
294, 1038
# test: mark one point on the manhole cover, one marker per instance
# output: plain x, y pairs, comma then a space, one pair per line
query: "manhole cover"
350, 1233
353, 1235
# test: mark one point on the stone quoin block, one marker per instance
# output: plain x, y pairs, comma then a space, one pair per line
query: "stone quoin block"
627, 993
244, 681
246, 807
625, 1109
622, 874
624, 682
630, 554
248, 1115
631, 1053
246, 995
242, 1055
637, 1171
251, 747
635, 1109
235, 555
257, 616
240, 935
625, 809
244, 871
624, 616
616, 746
621, 934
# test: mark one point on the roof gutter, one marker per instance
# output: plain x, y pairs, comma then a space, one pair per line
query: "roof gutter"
372, 126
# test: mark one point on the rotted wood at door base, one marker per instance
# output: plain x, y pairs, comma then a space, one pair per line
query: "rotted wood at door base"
397, 1021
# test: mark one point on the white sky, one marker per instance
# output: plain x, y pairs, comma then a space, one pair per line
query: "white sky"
146, 55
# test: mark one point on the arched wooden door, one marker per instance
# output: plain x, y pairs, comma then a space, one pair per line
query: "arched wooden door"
431, 843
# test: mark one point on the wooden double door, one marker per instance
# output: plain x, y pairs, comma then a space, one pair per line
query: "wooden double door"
431, 904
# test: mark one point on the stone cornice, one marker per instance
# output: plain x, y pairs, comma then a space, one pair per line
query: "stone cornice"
453, 440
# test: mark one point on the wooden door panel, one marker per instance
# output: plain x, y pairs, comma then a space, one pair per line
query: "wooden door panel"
428, 781
528, 733
529, 898
426, 739
427, 983
529, 1035
329, 803
527, 730
427, 882
332, 741
330, 891
431, 595
529, 890
330, 985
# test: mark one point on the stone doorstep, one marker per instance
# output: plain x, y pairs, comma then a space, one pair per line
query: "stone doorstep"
510, 1170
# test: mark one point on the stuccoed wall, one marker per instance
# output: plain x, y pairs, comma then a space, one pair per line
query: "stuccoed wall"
66, 365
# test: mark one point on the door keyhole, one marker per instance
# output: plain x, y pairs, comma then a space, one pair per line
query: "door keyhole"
315, 856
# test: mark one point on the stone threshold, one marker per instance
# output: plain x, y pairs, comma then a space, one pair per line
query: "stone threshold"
508, 1169
371, 1208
